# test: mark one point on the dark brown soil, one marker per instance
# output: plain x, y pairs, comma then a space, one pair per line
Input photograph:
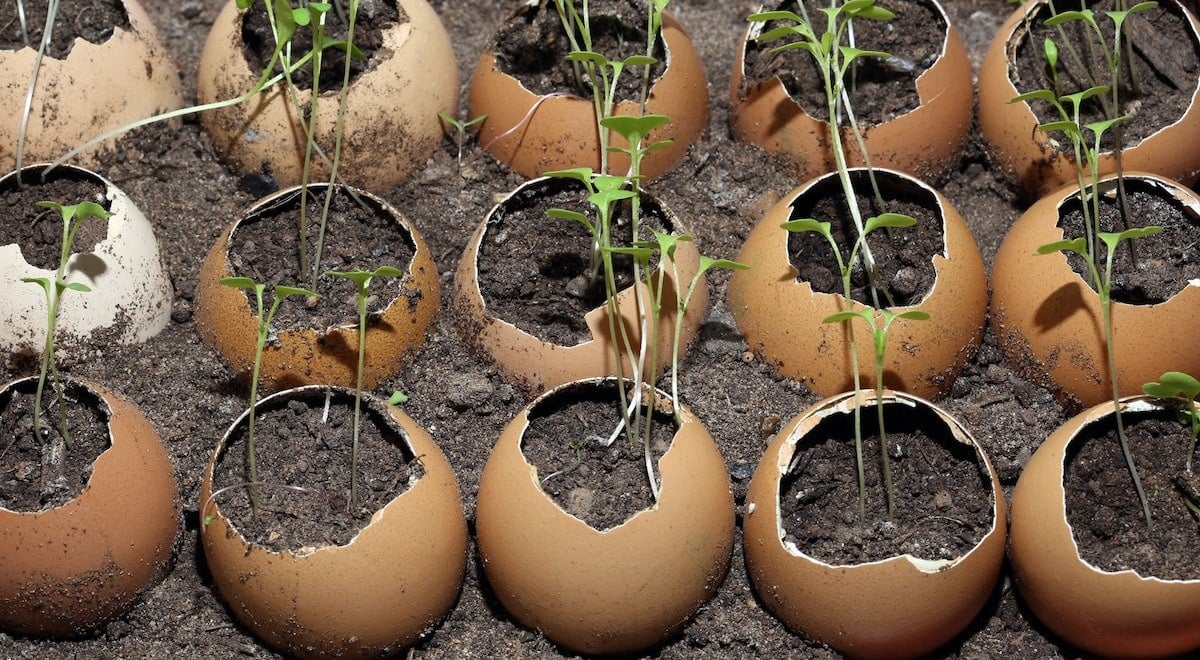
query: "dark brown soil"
39, 231
373, 17
91, 20
879, 88
903, 256
601, 484
942, 493
38, 474
1165, 68
1103, 508
303, 451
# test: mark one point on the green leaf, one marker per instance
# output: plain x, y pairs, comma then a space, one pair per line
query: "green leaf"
1173, 384
587, 56
1050, 49
639, 60
1068, 16
606, 198
244, 4
398, 398
77, 286
1077, 245
283, 291
912, 315
301, 17
583, 174
808, 224
875, 13
764, 16
1036, 95
708, 263
567, 214
238, 282
897, 220
848, 315
43, 281
633, 128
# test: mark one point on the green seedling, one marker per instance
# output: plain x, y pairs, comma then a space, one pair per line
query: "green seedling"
362, 284
460, 130
1102, 283
398, 398
1181, 391
264, 318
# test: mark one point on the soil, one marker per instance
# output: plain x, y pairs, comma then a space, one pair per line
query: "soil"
39, 231
91, 20
720, 190
879, 88
1166, 71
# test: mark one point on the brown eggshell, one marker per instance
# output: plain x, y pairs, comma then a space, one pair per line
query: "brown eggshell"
1119, 614
1048, 320
539, 365
924, 142
1029, 156
302, 356
74, 567
97, 88
617, 591
373, 596
391, 125
782, 318
900, 607
534, 134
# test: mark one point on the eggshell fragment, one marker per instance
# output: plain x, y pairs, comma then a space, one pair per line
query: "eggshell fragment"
617, 591
899, 607
782, 318
1119, 614
74, 567
534, 133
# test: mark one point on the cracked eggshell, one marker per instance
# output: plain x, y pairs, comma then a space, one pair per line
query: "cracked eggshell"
782, 318
1047, 319
303, 356
74, 567
130, 288
621, 590
1119, 614
899, 607
391, 125
1029, 156
375, 595
539, 365
97, 88
534, 133
924, 142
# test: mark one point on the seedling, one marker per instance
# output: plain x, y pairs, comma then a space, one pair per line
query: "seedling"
362, 283
460, 130
279, 294
1181, 391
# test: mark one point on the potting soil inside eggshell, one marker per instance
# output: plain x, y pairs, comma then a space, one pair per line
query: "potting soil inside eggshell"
91, 20
357, 236
1103, 508
880, 89
1166, 261
374, 16
38, 231
304, 471
42, 474
1165, 65
943, 496
536, 271
602, 486
903, 257
533, 49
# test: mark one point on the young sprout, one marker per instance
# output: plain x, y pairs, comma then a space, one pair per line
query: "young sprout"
1182, 391
362, 283
460, 130
279, 293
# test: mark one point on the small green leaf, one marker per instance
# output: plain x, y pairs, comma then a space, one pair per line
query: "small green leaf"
1077, 245
397, 398
708, 263
77, 286
1036, 95
633, 128
639, 60
764, 16
1051, 51
42, 281
808, 224
848, 315
1068, 16
913, 315
238, 282
896, 220
1172, 384
587, 56
283, 291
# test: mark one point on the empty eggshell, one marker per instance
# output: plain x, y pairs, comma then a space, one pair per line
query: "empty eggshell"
534, 133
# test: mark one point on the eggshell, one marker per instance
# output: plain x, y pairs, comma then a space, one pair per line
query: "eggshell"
1115, 614
375, 595
391, 126
97, 88
534, 133
782, 318
924, 141
899, 607
615, 591
1029, 156
302, 356
539, 365
130, 288
70, 569
1047, 319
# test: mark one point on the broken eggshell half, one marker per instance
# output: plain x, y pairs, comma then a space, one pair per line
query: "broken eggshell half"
391, 123
536, 133
74, 567
619, 590
130, 289
95, 89
1113, 614
924, 141
903, 606
782, 317
373, 596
